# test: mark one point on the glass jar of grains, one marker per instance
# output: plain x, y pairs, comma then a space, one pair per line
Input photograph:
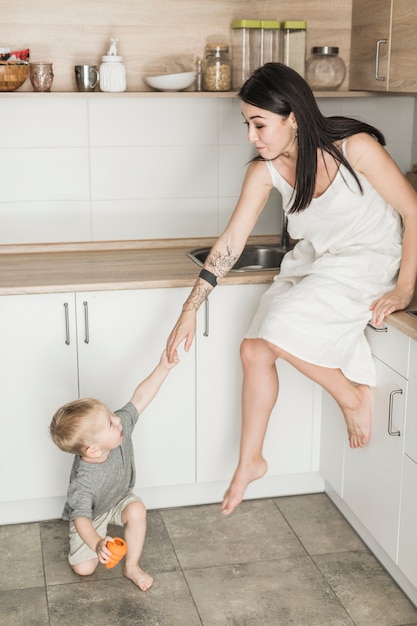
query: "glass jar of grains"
217, 68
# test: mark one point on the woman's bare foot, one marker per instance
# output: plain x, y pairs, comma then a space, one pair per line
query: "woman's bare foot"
243, 475
359, 419
143, 580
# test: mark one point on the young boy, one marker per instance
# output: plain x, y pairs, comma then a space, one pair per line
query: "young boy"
103, 475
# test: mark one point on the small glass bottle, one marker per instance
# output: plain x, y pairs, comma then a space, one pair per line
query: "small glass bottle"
217, 68
112, 71
41, 76
294, 45
325, 69
199, 75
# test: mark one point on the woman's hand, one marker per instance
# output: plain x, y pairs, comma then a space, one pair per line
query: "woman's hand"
395, 300
184, 329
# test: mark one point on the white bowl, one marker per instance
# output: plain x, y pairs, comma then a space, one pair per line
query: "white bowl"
171, 82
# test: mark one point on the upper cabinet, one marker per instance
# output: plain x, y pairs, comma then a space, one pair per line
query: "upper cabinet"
383, 46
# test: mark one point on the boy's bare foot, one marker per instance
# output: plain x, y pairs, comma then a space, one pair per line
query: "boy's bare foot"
359, 420
243, 475
143, 580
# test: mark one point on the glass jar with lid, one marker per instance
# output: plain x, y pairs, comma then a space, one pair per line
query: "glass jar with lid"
294, 45
246, 50
217, 68
325, 69
270, 44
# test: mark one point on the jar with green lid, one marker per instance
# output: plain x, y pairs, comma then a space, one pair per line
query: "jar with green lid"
246, 50
325, 69
217, 68
270, 44
294, 45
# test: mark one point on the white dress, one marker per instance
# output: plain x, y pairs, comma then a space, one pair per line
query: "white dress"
349, 254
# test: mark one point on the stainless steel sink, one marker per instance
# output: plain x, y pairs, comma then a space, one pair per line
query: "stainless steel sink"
254, 258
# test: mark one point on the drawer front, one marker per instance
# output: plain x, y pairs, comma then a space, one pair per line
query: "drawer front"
390, 346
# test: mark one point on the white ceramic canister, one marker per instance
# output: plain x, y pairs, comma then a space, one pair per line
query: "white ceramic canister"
112, 71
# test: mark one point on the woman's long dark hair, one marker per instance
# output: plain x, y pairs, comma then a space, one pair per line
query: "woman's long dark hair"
279, 89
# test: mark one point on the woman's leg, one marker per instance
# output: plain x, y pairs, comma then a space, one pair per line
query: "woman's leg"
260, 391
259, 395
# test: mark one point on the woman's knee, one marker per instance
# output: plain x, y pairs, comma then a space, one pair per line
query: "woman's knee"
254, 351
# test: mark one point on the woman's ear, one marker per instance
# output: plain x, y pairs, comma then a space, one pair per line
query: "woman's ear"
293, 120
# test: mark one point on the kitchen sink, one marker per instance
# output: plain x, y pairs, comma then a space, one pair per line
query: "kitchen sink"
254, 258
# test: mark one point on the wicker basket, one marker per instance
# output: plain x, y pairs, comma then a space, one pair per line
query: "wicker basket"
12, 75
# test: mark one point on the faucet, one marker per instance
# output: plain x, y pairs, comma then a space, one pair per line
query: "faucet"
284, 232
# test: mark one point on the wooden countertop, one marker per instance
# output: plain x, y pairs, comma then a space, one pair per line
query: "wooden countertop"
101, 266
109, 265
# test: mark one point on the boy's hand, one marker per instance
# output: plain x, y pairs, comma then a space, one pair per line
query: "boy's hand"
165, 363
102, 550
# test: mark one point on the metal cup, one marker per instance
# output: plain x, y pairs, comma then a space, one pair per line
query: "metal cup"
86, 77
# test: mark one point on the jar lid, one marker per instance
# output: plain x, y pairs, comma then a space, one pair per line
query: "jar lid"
112, 58
325, 50
294, 25
246, 24
270, 24
217, 47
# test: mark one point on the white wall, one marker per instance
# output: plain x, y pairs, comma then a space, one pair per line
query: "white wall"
100, 168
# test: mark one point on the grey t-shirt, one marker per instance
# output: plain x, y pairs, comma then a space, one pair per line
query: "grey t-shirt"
97, 487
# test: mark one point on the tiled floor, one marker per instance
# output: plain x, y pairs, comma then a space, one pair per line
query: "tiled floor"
274, 562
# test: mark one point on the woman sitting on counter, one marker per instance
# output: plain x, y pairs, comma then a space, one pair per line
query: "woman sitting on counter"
355, 216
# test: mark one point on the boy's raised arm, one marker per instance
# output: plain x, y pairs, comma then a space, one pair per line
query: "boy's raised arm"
148, 388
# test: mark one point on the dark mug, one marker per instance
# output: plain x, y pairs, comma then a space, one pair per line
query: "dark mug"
86, 77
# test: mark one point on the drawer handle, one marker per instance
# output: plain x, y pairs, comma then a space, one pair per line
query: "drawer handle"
393, 433
67, 329
86, 326
378, 44
206, 318
378, 329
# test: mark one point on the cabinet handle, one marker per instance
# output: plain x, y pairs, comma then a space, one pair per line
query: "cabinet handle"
378, 44
393, 433
86, 326
67, 329
378, 329
206, 318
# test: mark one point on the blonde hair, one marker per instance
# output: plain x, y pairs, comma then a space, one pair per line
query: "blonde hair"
72, 425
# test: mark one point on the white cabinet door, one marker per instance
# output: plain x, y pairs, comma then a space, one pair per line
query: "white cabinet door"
333, 442
373, 474
411, 419
121, 336
288, 445
38, 373
407, 552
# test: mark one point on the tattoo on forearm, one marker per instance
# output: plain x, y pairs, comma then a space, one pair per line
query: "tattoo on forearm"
220, 263
197, 296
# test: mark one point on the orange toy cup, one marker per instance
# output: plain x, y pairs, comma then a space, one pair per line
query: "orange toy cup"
118, 549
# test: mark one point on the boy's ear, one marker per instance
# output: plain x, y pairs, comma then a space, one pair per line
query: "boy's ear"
92, 452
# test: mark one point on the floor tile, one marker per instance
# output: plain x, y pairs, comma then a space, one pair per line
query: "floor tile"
202, 536
366, 590
24, 606
270, 593
21, 563
119, 602
158, 552
319, 525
